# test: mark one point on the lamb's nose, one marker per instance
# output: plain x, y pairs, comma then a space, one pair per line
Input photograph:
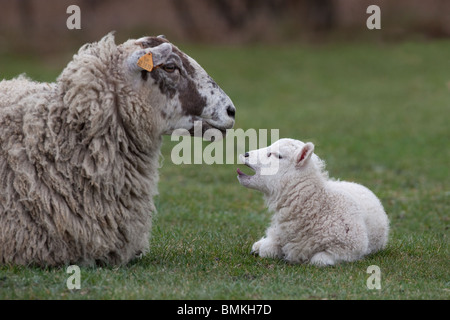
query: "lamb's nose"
246, 154
231, 111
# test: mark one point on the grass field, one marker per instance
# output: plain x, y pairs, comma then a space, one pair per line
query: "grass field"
378, 114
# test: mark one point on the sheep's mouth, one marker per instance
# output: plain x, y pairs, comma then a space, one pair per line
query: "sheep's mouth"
211, 136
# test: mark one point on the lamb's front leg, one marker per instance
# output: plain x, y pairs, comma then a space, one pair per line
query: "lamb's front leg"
267, 247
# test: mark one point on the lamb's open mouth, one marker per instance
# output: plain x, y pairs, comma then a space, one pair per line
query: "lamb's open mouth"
222, 129
241, 174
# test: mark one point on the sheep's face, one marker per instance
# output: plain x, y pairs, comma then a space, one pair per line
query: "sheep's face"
178, 88
284, 160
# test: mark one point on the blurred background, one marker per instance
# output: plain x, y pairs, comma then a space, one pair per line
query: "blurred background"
41, 25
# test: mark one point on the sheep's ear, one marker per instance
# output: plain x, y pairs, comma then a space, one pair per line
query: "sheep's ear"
161, 53
159, 56
304, 154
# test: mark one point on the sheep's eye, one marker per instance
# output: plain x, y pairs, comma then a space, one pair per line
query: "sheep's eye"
171, 67
268, 155
279, 156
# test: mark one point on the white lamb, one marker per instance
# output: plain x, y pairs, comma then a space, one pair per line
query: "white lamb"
79, 158
316, 220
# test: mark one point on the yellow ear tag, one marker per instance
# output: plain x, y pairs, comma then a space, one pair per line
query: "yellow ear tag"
146, 62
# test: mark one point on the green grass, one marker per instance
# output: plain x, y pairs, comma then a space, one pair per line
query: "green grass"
378, 114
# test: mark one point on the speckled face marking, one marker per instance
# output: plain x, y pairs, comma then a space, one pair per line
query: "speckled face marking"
191, 101
190, 94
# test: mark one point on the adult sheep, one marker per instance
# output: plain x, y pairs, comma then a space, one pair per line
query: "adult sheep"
79, 157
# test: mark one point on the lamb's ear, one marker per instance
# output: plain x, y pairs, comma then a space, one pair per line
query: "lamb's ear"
160, 54
304, 154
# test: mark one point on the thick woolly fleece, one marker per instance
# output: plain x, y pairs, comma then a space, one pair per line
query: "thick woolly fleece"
77, 181
327, 222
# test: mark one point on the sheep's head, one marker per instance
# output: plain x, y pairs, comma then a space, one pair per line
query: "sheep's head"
178, 88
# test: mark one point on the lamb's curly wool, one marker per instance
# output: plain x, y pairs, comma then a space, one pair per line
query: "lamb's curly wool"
316, 220
79, 158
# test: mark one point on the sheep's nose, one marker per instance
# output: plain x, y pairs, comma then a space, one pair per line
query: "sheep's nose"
246, 154
231, 111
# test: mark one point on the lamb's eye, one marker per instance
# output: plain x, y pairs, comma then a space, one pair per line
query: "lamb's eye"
171, 67
276, 155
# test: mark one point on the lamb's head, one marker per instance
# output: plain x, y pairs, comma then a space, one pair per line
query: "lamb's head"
283, 161
177, 88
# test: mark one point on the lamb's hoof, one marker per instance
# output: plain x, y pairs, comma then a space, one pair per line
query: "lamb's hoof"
322, 259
